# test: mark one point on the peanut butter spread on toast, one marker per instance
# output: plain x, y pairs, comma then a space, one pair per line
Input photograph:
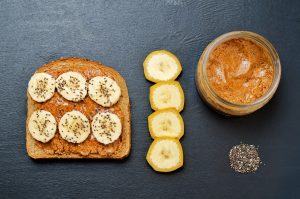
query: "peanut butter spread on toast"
58, 106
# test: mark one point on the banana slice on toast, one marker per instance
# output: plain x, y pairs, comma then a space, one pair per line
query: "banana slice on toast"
74, 127
72, 86
104, 91
106, 127
42, 125
41, 87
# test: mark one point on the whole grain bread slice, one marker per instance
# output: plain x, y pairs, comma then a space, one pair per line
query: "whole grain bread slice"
57, 105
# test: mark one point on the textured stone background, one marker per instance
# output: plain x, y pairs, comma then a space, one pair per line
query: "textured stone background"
120, 34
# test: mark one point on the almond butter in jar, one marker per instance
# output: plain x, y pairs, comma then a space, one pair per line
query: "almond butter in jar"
238, 73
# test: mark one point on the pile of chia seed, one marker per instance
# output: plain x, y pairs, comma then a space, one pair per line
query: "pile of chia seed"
244, 158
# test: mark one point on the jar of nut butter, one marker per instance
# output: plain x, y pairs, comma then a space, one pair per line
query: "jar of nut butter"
238, 73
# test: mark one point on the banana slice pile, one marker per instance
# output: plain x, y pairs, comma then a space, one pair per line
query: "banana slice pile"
74, 126
166, 97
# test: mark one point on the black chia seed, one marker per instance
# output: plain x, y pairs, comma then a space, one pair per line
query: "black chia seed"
244, 158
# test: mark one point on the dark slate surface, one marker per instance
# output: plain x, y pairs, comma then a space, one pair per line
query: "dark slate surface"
120, 34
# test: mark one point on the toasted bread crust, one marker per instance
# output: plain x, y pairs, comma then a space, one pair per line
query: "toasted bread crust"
57, 105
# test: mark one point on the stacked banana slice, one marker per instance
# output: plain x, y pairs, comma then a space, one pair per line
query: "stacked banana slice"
74, 126
167, 99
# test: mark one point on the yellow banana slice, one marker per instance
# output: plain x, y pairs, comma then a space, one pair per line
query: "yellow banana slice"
106, 127
74, 127
166, 95
161, 65
41, 87
42, 125
165, 155
166, 123
104, 91
72, 86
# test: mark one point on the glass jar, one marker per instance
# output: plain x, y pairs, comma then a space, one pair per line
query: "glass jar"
210, 96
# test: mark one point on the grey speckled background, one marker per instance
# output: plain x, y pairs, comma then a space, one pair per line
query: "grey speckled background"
120, 34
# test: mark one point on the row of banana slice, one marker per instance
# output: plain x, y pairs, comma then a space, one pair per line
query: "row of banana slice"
75, 127
73, 87
167, 99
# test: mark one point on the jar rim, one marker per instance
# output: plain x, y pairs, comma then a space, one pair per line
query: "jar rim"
261, 41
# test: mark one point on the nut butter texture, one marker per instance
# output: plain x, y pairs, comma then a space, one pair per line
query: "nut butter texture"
58, 106
240, 71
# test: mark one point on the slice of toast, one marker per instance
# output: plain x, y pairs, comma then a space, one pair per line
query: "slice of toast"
58, 106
